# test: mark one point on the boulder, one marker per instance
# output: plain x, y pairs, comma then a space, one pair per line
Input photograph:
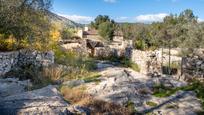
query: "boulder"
46, 101
11, 86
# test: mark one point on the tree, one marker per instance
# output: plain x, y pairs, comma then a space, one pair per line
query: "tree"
106, 30
27, 19
105, 26
127, 30
187, 16
99, 20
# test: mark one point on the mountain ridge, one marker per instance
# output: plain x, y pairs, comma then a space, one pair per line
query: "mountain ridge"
65, 22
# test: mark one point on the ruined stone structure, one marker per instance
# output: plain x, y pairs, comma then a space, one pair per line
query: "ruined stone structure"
9, 60
148, 61
154, 62
75, 45
193, 67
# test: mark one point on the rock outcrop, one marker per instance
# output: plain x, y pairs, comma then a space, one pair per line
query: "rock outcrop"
122, 86
46, 101
11, 86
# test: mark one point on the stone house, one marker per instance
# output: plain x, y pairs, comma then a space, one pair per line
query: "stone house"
88, 33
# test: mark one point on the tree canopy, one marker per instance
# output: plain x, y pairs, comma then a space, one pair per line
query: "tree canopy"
25, 19
105, 26
184, 31
106, 30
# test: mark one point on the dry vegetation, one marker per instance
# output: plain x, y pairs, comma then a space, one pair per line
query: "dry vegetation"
77, 96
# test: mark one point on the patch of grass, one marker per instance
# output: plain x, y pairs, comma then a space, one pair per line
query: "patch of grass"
152, 104
54, 72
92, 78
131, 107
162, 91
78, 96
165, 93
196, 86
74, 95
135, 67
172, 106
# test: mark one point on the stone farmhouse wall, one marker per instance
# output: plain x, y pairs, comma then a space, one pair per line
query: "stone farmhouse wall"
9, 60
148, 61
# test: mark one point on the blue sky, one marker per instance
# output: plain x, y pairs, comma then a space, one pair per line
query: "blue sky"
84, 11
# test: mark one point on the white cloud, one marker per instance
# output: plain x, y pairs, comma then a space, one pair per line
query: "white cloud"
110, 1
78, 18
151, 17
200, 20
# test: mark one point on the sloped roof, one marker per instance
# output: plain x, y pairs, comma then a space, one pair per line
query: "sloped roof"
90, 32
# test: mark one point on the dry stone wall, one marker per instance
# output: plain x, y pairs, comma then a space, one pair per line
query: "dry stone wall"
193, 67
9, 60
148, 61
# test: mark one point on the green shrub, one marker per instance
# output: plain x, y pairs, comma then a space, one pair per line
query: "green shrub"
128, 63
80, 65
140, 44
74, 59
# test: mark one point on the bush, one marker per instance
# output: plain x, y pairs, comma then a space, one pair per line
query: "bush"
80, 66
128, 63
106, 30
140, 44
7, 44
67, 33
40, 77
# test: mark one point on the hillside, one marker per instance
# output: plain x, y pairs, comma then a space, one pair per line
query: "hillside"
63, 21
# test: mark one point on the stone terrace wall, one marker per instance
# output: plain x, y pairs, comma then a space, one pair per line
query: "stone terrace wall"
9, 60
193, 67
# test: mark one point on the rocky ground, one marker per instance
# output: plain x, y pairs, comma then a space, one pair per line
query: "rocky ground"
16, 100
123, 85
116, 84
